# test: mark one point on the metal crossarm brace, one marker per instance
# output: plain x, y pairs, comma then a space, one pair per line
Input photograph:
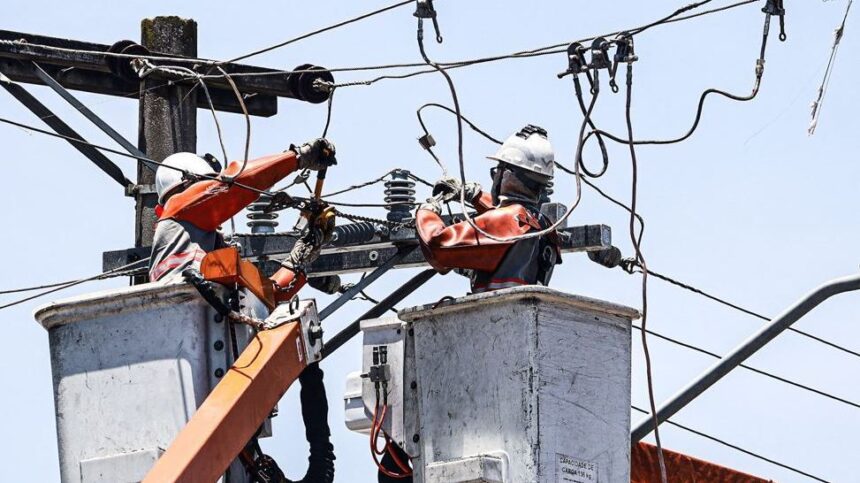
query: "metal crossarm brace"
99, 122
337, 258
85, 66
63, 129
378, 310
363, 283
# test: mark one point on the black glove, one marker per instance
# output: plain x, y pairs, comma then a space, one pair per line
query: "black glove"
304, 252
472, 191
315, 155
329, 284
446, 189
432, 204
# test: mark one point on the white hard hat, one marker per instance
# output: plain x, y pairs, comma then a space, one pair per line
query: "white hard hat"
529, 150
168, 180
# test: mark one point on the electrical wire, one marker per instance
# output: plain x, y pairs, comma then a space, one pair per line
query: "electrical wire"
674, 14
539, 51
127, 155
701, 292
467, 121
736, 447
226, 178
734, 306
116, 272
360, 185
319, 31
429, 148
828, 71
637, 240
328, 112
753, 369
641, 230
461, 159
602, 144
759, 71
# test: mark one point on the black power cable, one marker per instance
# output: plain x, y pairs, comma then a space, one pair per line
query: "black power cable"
319, 31
753, 369
636, 240
759, 72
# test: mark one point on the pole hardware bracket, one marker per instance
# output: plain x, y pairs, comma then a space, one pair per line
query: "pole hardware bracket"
424, 9
140, 189
624, 53
777, 7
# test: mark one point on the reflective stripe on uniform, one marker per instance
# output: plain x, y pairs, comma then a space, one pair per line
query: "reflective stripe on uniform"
498, 284
176, 260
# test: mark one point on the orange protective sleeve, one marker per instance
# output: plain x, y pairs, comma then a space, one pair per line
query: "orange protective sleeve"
282, 279
461, 246
681, 468
483, 202
209, 203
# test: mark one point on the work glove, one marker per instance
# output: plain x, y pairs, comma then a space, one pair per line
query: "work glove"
304, 252
471, 190
432, 204
329, 284
315, 155
446, 189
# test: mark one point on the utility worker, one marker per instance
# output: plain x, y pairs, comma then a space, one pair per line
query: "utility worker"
190, 209
511, 209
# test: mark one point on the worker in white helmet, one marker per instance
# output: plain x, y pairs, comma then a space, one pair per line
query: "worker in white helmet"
511, 209
192, 205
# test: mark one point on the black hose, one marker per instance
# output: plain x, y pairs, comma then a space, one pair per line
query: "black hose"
315, 416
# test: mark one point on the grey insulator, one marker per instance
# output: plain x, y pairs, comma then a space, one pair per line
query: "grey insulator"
258, 221
354, 233
400, 192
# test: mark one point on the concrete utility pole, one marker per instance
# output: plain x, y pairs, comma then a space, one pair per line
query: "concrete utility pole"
168, 116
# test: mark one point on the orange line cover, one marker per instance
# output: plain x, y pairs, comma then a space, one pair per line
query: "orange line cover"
681, 468
235, 409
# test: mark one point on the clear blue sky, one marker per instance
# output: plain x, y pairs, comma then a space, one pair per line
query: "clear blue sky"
750, 207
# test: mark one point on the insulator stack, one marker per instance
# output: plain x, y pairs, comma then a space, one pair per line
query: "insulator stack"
259, 221
354, 233
400, 194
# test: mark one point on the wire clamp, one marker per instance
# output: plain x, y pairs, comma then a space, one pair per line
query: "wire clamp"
624, 53
576, 63
424, 9
777, 7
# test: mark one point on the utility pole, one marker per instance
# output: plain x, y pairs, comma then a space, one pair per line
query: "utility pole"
168, 117
167, 102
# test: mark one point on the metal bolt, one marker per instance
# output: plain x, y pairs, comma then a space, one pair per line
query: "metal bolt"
398, 331
219, 345
413, 385
415, 438
219, 373
373, 256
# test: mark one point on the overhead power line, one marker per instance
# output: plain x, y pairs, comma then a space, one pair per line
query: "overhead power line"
753, 369
750, 312
321, 30
736, 447
828, 71
124, 270
538, 51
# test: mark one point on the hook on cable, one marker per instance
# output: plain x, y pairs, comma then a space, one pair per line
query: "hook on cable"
777, 7
424, 9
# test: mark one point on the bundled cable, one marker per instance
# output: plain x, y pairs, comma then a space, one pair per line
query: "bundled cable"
759, 72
